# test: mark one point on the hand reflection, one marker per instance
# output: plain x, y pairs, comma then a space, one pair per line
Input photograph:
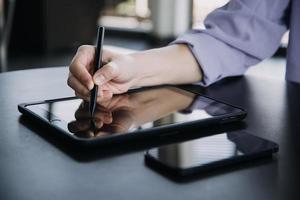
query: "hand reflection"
127, 111
111, 116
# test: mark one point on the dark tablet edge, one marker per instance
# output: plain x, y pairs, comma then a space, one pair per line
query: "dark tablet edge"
167, 129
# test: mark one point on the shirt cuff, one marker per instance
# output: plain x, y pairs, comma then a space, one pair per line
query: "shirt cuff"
217, 59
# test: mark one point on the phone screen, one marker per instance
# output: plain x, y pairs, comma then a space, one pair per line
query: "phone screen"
127, 113
210, 150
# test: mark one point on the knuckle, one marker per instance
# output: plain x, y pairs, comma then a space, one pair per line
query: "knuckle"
73, 68
83, 78
76, 94
79, 95
83, 91
110, 70
72, 64
86, 49
70, 82
83, 47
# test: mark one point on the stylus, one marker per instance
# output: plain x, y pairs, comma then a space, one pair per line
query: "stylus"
98, 65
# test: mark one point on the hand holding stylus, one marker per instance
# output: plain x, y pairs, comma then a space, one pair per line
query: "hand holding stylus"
118, 73
168, 65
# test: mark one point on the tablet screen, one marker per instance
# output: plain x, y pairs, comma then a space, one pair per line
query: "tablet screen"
127, 113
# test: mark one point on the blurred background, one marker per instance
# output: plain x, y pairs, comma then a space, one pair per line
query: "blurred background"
46, 33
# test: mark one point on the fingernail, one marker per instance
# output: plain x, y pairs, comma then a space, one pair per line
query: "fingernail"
90, 85
99, 79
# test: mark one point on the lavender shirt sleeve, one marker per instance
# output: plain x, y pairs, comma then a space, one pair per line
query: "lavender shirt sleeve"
236, 36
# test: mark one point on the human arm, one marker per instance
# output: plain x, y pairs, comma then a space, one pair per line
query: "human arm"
237, 36
172, 64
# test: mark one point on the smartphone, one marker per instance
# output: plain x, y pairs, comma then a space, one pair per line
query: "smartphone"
207, 153
137, 114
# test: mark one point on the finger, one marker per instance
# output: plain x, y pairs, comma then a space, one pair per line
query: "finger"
106, 73
72, 127
78, 126
104, 104
102, 98
105, 86
107, 94
85, 134
101, 116
100, 93
108, 104
84, 125
101, 108
98, 123
82, 64
106, 118
82, 113
113, 102
102, 133
75, 84
85, 98
115, 86
104, 95
118, 102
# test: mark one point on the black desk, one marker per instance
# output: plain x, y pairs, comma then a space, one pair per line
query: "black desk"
32, 167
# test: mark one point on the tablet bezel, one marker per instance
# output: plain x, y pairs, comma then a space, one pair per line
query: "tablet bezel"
139, 134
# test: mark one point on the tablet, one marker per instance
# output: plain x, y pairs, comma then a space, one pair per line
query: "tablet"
136, 114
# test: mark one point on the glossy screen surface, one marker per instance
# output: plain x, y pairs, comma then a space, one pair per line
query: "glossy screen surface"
207, 150
129, 112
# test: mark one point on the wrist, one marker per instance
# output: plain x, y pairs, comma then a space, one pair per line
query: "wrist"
174, 64
148, 68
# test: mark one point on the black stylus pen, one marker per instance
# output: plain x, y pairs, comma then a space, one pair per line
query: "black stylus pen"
98, 65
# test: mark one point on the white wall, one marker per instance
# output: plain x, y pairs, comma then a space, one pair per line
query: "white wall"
170, 17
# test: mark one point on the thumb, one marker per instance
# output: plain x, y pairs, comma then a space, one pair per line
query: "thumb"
105, 73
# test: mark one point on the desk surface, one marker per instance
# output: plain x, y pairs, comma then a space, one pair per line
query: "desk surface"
33, 167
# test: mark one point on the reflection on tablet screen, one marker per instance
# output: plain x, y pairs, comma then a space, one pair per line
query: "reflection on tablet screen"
126, 113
